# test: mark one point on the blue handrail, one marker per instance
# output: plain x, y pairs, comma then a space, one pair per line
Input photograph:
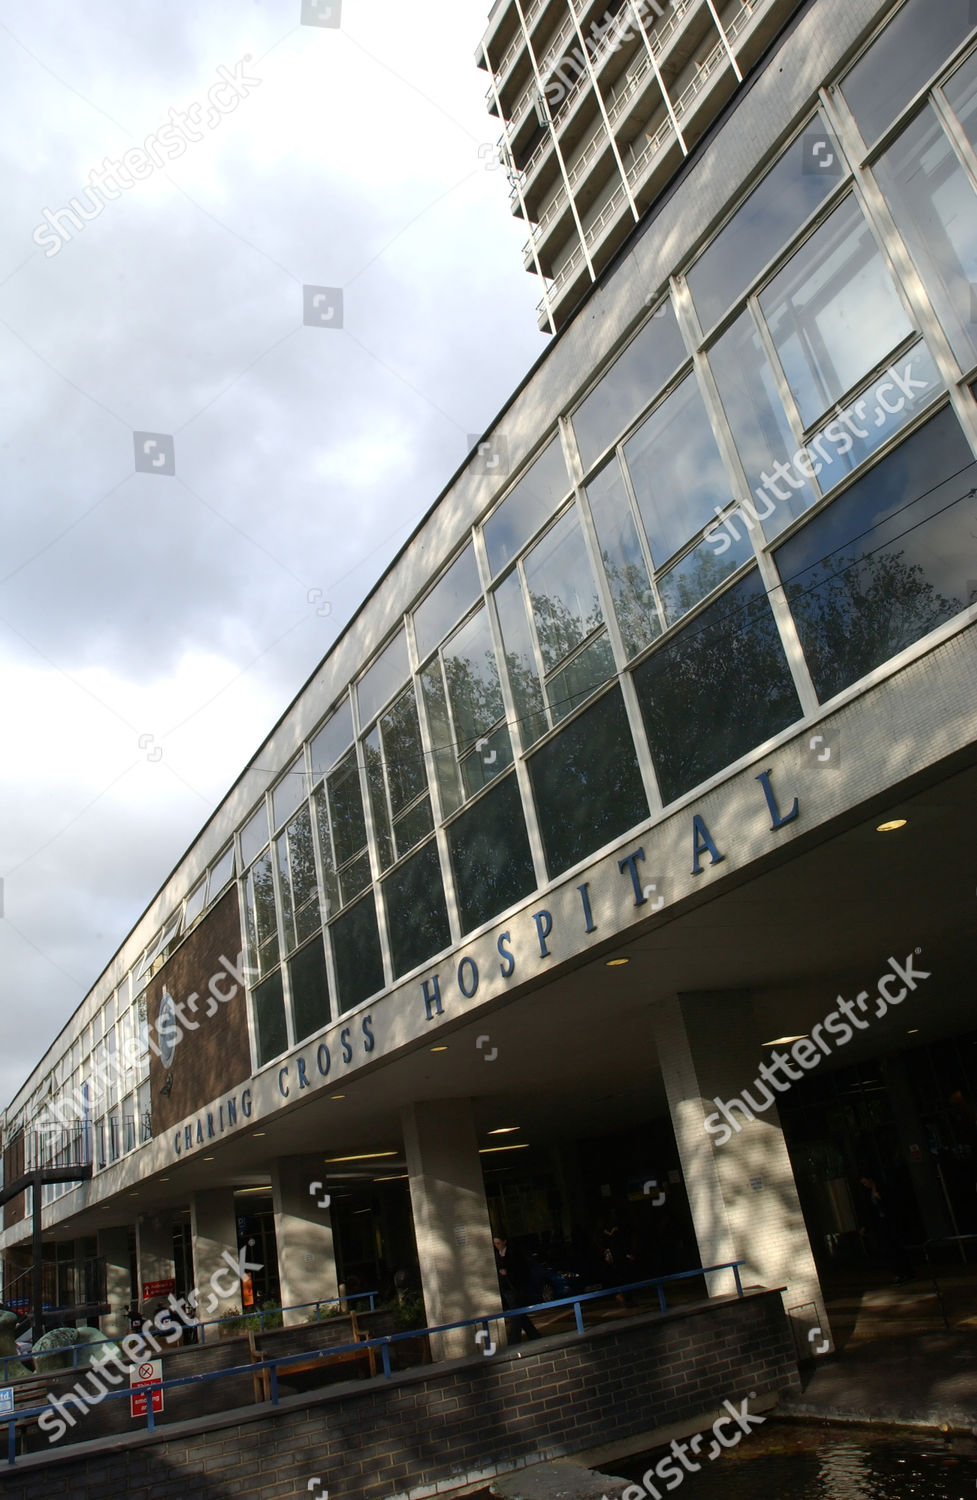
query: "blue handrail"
259, 1313
382, 1343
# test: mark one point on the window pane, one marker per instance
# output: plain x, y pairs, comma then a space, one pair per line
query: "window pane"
473, 680
285, 888
700, 571
389, 672
346, 805
417, 918
624, 563
195, 904
961, 91
328, 864
376, 782
490, 856
304, 881
355, 878
266, 922
446, 603
406, 772
632, 382
520, 659
333, 738
881, 567
310, 990
442, 737
716, 689
523, 512
356, 953
935, 207
271, 1034
911, 49
254, 835
561, 587
766, 222
289, 792
490, 757
833, 312
412, 826
759, 423
220, 873
587, 784
678, 476
588, 671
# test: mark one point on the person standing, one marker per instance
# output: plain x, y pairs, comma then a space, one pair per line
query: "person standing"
513, 1274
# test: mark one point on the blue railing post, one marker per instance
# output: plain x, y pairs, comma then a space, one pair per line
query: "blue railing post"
739, 1284
662, 1304
150, 1414
274, 1385
578, 1315
385, 1356
11, 1441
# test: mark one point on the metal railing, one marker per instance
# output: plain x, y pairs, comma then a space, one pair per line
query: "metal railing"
189, 1324
706, 68
745, 16
383, 1343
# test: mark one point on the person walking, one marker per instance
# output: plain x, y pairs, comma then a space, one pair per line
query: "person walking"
513, 1274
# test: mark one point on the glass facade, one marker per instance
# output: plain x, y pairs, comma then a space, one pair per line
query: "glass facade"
766, 491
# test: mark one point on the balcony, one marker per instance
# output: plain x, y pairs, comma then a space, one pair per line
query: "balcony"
559, 205
740, 22
712, 65
627, 97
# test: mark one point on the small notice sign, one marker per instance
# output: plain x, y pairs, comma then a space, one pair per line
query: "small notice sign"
150, 1372
158, 1288
6, 1398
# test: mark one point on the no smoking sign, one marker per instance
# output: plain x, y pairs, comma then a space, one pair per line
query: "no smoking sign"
150, 1372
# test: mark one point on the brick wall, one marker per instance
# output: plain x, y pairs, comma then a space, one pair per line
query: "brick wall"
447, 1424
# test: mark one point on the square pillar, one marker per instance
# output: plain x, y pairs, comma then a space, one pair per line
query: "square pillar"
154, 1254
303, 1236
213, 1240
451, 1219
738, 1176
113, 1247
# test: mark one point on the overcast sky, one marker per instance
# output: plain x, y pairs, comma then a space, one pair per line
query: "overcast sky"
153, 626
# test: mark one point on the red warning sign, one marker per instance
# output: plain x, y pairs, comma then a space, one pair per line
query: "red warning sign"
150, 1372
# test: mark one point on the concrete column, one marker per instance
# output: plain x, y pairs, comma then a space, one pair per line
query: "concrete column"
213, 1240
303, 1235
741, 1189
154, 1251
451, 1220
113, 1247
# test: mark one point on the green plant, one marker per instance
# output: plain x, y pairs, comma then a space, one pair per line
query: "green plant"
408, 1314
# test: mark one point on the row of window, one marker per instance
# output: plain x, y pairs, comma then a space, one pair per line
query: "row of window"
804, 364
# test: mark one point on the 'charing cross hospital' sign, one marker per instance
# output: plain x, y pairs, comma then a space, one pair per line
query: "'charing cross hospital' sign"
345, 1046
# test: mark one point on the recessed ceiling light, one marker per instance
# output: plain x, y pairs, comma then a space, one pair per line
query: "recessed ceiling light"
400, 1177
892, 825
504, 1129
617, 963
258, 1134
337, 1096
439, 1049
913, 1031
363, 1156
164, 1179
208, 1158
521, 1146
784, 1041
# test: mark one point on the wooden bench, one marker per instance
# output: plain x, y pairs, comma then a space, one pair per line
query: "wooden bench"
29, 1392
262, 1378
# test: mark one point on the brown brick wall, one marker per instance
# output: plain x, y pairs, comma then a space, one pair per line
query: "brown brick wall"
216, 1056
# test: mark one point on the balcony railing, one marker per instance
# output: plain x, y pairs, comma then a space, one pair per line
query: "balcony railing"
636, 81
750, 7
637, 168
716, 56
660, 37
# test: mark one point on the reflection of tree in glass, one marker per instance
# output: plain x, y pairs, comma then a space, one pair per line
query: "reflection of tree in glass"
853, 613
694, 578
718, 688
634, 603
476, 697
559, 629
301, 856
